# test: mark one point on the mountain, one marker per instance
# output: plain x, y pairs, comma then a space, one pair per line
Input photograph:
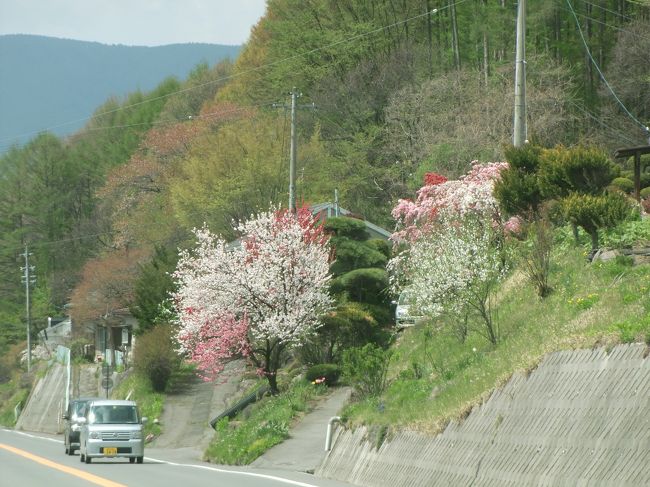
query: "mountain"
55, 84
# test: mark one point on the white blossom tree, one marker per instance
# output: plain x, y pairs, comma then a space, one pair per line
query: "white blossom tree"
455, 269
258, 299
452, 247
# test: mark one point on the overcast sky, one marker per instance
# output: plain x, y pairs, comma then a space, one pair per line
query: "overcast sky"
134, 22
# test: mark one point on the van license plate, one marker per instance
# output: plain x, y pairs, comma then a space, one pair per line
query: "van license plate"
110, 451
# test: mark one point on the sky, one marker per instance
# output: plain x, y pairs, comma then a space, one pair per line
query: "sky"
134, 22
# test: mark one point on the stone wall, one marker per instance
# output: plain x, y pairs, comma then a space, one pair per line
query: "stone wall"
581, 418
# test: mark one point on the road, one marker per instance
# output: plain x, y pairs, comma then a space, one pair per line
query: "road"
35, 460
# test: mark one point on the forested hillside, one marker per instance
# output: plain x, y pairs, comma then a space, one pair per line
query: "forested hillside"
56, 84
401, 88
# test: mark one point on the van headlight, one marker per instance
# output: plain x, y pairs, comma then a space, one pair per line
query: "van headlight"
94, 435
136, 435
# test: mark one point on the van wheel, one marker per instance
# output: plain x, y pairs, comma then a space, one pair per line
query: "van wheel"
140, 459
88, 459
131, 459
81, 456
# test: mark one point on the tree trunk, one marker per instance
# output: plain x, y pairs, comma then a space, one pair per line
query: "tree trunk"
272, 378
454, 34
486, 60
594, 240
429, 38
589, 67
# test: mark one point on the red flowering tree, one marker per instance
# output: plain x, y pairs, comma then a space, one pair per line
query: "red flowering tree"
258, 299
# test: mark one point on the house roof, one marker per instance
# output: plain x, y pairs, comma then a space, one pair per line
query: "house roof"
329, 210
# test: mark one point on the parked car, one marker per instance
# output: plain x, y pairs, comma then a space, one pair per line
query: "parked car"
71, 424
112, 428
404, 311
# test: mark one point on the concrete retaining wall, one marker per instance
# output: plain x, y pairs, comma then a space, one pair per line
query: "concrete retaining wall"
581, 418
46, 402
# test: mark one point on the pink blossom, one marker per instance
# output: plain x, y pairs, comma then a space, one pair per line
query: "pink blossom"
471, 194
253, 300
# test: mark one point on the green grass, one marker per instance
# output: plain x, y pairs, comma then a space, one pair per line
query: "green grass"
434, 378
149, 402
242, 440
11, 393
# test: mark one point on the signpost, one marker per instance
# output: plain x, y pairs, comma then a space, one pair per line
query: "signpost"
107, 382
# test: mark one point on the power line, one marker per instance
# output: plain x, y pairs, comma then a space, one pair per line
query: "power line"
602, 76
241, 73
609, 10
614, 27
591, 115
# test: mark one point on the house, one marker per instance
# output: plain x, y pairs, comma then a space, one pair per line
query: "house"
120, 329
57, 332
323, 211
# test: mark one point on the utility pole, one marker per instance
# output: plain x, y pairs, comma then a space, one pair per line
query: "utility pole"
292, 154
520, 128
28, 280
293, 149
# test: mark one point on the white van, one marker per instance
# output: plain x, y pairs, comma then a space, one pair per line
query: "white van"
403, 309
112, 428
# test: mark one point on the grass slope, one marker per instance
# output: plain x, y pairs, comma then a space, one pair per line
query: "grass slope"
435, 378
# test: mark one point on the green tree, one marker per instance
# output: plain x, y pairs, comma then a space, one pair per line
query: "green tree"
153, 288
595, 212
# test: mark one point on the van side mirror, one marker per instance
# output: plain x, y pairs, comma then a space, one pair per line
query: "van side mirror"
144, 420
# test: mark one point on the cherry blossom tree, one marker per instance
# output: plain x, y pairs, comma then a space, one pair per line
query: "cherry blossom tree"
258, 299
454, 270
452, 246
471, 194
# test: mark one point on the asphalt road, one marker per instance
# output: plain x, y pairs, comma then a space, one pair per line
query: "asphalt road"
33, 460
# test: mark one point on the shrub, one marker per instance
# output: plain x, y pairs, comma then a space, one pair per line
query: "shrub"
331, 373
347, 227
365, 369
645, 193
593, 213
155, 356
364, 285
349, 325
624, 184
567, 170
518, 191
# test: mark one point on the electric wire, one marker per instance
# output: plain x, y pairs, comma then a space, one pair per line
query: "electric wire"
602, 76
613, 27
268, 103
608, 10
241, 73
623, 135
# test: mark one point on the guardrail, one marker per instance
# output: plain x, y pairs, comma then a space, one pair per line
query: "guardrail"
232, 411
17, 410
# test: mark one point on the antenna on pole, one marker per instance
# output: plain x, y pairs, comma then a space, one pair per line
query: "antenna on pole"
29, 280
520, 128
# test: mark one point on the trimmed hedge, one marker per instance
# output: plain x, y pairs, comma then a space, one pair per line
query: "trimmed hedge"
624, 184
331, 372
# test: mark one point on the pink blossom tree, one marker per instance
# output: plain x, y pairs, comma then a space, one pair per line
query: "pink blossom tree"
471, 194
258, 299
451, 241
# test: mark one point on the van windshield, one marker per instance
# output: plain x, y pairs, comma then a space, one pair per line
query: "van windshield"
405, 299
113, 414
